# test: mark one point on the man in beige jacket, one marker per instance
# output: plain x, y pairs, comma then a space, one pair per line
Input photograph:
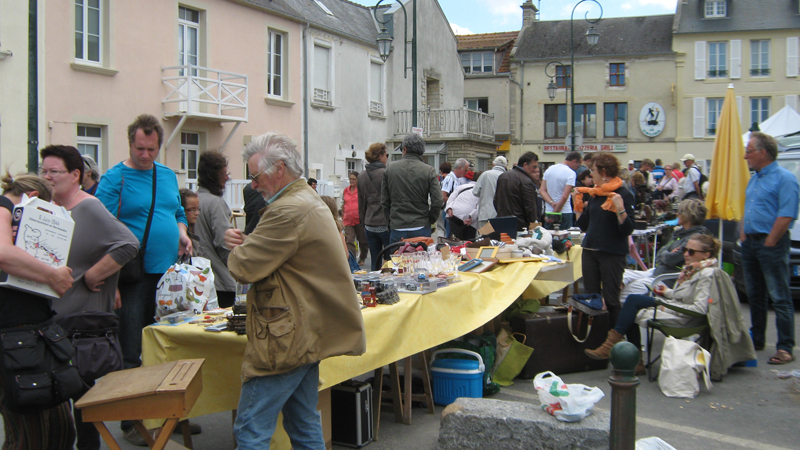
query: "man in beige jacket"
302, 306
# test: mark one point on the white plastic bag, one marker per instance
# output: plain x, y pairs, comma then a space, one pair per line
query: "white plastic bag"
682, 362
567, 402
186, 287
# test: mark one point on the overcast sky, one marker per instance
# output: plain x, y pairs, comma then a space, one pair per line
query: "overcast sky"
491, 16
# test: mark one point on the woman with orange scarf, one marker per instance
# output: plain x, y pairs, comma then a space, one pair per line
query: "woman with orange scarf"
607, 220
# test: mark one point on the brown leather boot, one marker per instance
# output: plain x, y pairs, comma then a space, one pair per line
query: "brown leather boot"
604, 350
640, 369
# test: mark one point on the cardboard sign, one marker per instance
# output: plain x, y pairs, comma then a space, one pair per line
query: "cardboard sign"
44, 230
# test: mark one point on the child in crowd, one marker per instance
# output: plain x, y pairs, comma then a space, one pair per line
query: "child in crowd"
191, 206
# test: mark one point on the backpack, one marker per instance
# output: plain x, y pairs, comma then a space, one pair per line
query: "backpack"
703, 177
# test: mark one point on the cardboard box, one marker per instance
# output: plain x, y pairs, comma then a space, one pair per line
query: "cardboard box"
44, 230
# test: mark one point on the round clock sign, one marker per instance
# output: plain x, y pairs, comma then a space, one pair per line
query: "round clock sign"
652, 119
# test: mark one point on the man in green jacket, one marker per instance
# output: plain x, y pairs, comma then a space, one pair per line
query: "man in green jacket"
301, 307
411, 196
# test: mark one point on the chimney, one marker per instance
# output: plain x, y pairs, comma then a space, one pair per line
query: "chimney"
528, 13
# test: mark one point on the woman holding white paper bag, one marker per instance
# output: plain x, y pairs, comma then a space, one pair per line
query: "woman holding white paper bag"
50, 428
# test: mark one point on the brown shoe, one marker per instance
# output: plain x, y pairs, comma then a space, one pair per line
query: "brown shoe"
640, 368
604, 351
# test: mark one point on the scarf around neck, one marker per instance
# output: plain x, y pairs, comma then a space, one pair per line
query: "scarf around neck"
690, 269
605, 190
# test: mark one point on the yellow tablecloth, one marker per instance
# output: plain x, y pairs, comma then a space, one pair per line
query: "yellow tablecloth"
416, 323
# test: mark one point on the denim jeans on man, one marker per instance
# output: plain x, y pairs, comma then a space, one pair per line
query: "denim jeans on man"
295, 394
397, 235
377, 242
766, 275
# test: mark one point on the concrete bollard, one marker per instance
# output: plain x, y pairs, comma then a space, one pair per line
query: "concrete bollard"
623, 381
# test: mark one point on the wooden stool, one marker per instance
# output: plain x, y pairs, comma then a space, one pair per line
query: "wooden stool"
164, 391
401, 396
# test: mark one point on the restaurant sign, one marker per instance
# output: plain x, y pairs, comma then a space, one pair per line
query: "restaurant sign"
587, 148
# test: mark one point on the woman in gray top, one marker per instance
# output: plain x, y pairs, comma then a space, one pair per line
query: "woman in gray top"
369, 202
101, 245
214, 220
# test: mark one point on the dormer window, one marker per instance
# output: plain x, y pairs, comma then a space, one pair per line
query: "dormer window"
477, 62
715, 9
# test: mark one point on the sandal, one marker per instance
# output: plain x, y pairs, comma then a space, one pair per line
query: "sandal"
781, 357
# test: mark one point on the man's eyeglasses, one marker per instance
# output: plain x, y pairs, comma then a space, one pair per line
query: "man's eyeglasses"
45, 172
692, 251
255, 177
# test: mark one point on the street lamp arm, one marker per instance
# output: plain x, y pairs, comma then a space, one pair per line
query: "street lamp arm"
547, 68
586, 16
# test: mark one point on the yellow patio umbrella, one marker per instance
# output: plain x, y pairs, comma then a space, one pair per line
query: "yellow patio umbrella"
729, 172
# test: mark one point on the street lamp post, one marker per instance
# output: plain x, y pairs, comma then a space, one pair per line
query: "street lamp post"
385, 48
592, 37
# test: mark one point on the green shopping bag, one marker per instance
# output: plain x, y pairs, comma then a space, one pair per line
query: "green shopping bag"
515, 360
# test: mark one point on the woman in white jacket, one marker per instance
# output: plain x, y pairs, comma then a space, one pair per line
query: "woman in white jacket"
691, 292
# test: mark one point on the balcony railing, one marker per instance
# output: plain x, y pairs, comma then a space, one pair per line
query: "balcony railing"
443, 123
196, 91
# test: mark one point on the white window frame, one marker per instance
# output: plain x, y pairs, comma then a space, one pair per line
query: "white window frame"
278, 78
759, 109
713, 110
322, 96
185, 27
792, 44
715, 9
757, 64
186, 150
83, 141
718, 63
82, 9
377, 105
478, 57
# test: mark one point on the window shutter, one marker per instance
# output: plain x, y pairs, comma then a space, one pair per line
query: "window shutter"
791, 100
700, 60
736, 58
321, 67
791, 56
742, 117
699, 115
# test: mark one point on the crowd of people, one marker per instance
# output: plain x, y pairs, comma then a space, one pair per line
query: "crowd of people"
298, 249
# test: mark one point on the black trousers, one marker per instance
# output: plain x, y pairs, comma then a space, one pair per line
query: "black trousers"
460, 230
602, 274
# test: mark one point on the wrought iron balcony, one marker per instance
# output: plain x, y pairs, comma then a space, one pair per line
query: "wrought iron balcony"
200, 92
448, 123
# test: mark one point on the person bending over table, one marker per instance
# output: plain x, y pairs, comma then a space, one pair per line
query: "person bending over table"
691, 216
608, 221
691, 292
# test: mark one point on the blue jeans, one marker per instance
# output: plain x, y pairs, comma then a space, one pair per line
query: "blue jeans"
138, 311
626, 321
446, 224
766, 275
376, 242
295, 394
397, 236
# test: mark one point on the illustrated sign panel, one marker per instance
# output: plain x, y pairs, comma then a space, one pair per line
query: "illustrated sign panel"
652, 119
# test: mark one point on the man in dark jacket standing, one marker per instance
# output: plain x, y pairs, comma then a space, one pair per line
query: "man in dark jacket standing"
516, 192
411, 196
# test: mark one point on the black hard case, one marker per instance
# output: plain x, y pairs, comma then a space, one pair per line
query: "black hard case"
554, 349
351, 414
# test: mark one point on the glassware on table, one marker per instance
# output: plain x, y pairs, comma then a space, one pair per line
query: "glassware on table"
395, 260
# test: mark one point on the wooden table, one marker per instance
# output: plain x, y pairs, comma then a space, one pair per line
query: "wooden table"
164, 391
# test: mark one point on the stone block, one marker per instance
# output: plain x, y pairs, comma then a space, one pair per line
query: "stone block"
480, 424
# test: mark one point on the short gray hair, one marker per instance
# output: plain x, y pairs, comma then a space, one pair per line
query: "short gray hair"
414, 144
273, 147
461, 162
694, 210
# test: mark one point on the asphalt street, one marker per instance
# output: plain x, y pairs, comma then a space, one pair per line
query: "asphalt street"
750, 409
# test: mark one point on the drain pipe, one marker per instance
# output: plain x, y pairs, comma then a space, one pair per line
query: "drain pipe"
33, 88
521, 114
305, 99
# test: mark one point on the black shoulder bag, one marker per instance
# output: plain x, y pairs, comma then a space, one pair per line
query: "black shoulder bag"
133, 270
94, 334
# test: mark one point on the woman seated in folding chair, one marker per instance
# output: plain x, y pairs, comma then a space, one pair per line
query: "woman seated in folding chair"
691, 216
691, 292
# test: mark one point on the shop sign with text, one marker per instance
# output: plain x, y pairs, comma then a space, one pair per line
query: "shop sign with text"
615, 148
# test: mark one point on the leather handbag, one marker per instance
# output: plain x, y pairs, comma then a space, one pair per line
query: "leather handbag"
133, 270
95, 336
37, 369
